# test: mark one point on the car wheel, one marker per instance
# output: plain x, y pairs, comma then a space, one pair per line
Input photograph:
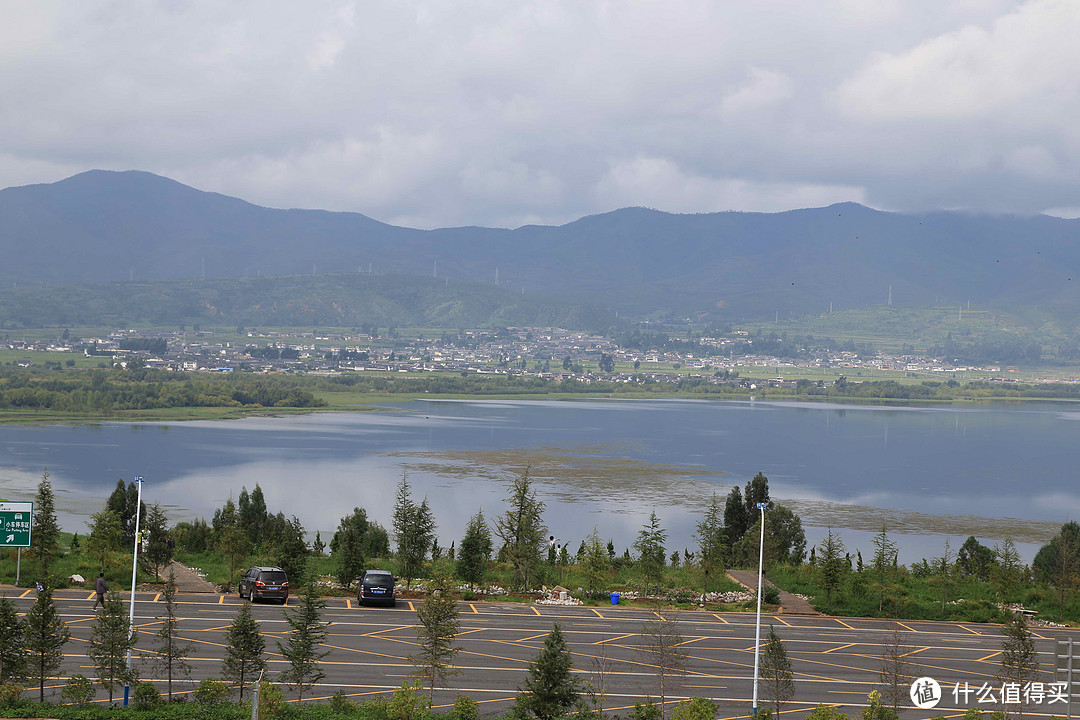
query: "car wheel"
393, 603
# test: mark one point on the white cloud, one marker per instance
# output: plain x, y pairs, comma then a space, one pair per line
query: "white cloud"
658, 183
499, 111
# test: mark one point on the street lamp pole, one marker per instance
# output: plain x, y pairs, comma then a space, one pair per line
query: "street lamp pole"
134, 570
757, 628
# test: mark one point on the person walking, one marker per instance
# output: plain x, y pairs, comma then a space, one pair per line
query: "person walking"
100, 587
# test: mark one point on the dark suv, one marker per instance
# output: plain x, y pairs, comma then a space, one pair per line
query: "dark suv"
376, 586
264, 583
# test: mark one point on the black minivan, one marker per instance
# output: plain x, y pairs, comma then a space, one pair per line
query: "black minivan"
376, 586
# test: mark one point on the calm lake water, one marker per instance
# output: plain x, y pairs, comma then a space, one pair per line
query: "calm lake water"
928, 473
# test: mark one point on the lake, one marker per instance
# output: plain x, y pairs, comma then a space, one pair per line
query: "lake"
928, 473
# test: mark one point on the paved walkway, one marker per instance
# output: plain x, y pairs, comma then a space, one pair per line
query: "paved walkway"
789, 604
187, 581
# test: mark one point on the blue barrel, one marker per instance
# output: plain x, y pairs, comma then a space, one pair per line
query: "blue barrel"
614, 598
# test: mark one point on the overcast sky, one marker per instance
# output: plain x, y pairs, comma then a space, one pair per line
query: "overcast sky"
503, 113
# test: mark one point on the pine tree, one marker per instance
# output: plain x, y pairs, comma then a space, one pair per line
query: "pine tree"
106, 534
1019, 661
414, 530
831, 563
348, 545
156, 532
46, 635
172, 653
597, 563
882, 565
244, 646
776, 671
550, 688
12, 643
522, 530
896, 669
650, 548
439, 624
475, 551
46, 531
661, 642
302, 649
712, 539
110, 643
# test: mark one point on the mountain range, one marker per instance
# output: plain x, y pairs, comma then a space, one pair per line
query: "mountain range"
107, 227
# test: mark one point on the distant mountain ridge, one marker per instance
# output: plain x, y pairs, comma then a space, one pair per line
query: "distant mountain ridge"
104, 226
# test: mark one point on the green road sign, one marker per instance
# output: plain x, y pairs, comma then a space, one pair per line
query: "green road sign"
15, 524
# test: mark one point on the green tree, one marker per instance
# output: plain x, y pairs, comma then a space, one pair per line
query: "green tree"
475, 551
597, 563
251, 512
522, 530
1059, 562
439, 624
291, 551
650, 548
712, 539
784, 533
550, 688
883, 563
46, 635
1006, 574
661, 646
106, 534
12, 643
46, 531
831, 563
943, 573
111, 639
230, 539
124, 501
348, 546
736, 519
244, 646
414, 531
974, 559
776, 671
171, 652
155, 531
1019, 661
302, 649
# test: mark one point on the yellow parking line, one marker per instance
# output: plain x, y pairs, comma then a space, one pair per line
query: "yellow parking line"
597, 613
535, 610
475, 611
720, 619
969, 630
531, 637
28, 592
783, 621
348, 603
411, 606
843, 623
607, 640
156, 597
906, 626
916, 651
989, 656
88, 597
841, 647
221, 600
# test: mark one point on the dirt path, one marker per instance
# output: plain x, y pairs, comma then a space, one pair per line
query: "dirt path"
789, 604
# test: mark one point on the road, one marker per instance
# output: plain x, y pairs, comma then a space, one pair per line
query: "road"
836, 660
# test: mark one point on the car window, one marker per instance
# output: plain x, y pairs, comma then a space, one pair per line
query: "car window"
379, 580
273, 577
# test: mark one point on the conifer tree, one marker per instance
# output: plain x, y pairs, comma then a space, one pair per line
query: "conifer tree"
475, 551
244, 646
439, 624
302, 649
712, 539
348, 545
46, 635
521, 529
597, 562
550, 687
158, 554
650, 548
172, 652
883, 563
46, 531
831, 563
661, 646
414, 530
109, 644
776, 671
1019, 661
12, 643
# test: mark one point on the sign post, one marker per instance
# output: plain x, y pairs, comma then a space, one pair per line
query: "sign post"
16, 526
1066, 662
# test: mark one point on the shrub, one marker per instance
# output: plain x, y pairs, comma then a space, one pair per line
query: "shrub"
770, 595
648, 710
271, 700
340, 702
826, 712
465, 708
78, 690
468, 595
146, 696
211, 691
408, 702
696, 708
10, 694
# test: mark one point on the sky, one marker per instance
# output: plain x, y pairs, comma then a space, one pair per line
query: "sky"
510, 112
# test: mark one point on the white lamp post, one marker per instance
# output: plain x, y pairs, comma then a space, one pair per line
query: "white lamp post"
134, 570
757, 629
